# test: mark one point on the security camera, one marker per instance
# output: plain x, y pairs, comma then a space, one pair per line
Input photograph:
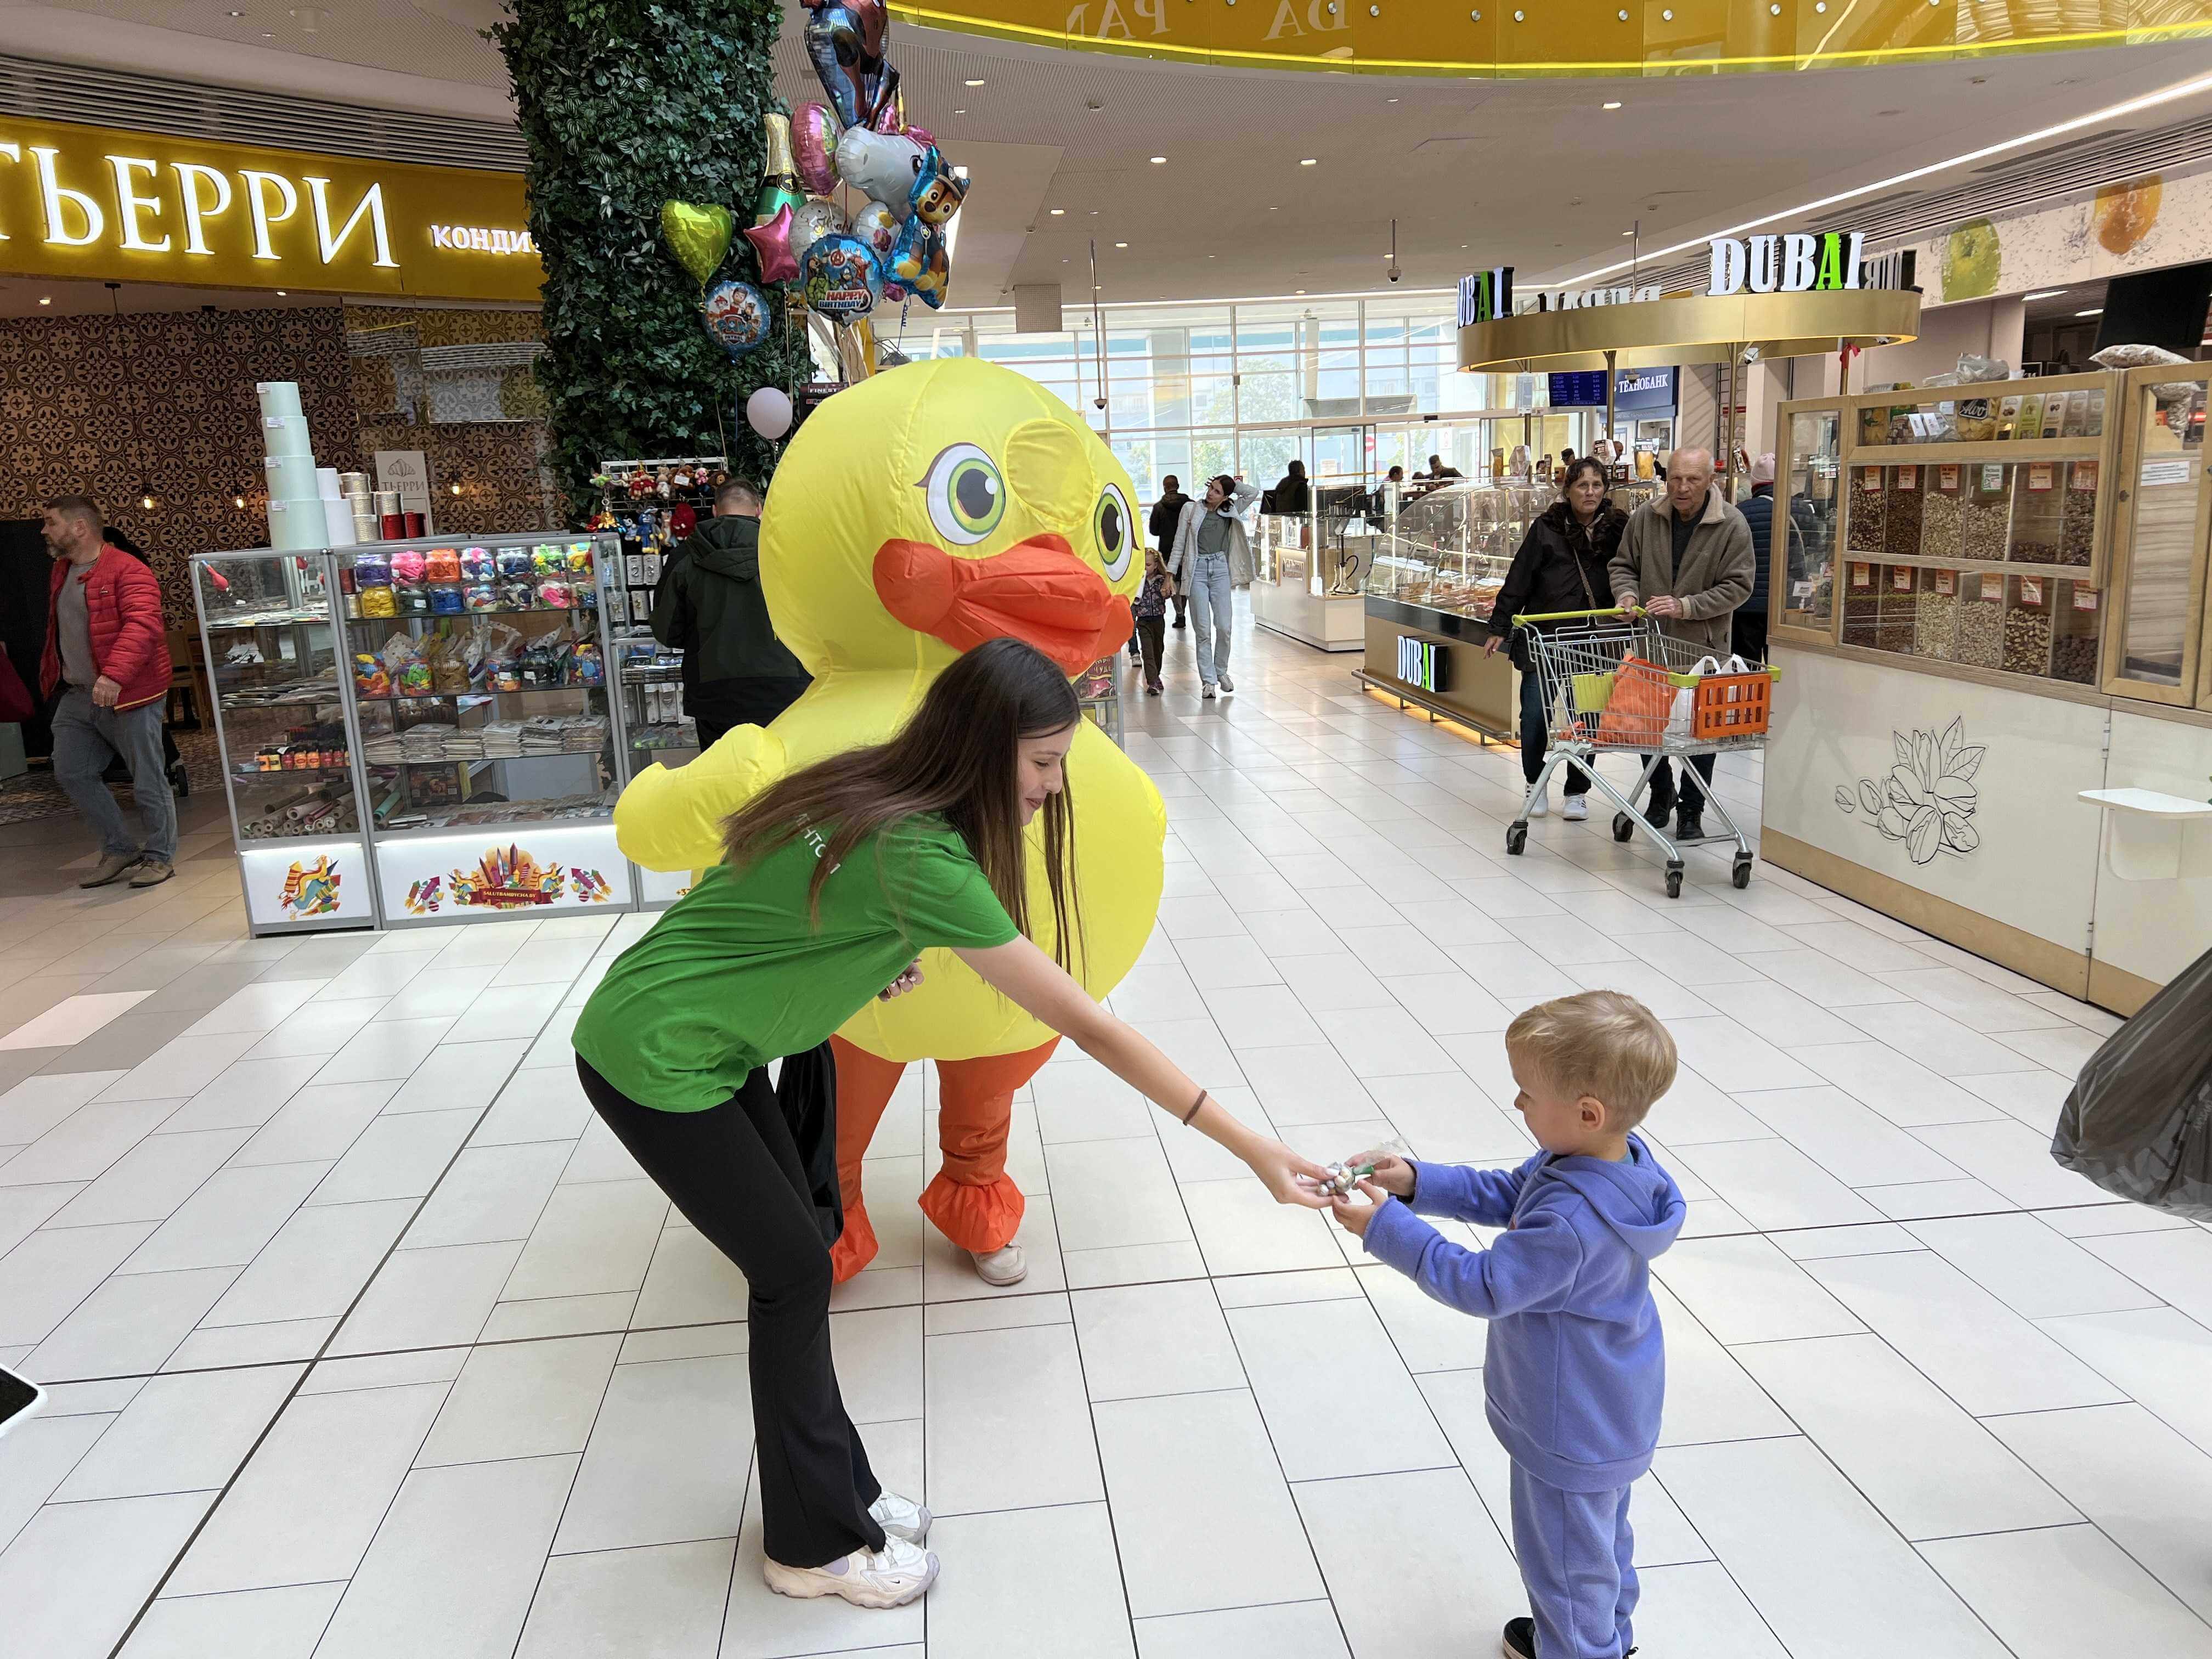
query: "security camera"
1394, 273
1098, 403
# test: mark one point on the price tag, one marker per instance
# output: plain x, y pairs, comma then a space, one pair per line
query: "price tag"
1862, 576
2038, 475
2084, 476
1947, 581
1908, 478
2031, 591
1900, 577
2085, 599
1993, 476
1799, 593
1870, 477
1947, 478
1993, 588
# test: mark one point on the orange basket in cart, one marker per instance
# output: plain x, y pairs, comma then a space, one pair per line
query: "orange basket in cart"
1731, 705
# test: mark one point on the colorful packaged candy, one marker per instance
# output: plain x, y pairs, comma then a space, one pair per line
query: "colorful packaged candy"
516, 595
369, 679
548, 560
477, 564
442, 564
378, 602
372, 570
407, 569
479, 596
579, 556
515, 561
556, 595
590, 671
445, 601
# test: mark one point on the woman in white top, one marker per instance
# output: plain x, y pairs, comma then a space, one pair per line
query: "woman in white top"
1212, 556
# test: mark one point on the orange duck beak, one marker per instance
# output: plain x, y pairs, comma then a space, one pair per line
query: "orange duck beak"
1036, 591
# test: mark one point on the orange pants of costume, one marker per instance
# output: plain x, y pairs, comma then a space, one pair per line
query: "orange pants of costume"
972, 1201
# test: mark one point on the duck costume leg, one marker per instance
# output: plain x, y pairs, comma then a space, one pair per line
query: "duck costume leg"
972, 1199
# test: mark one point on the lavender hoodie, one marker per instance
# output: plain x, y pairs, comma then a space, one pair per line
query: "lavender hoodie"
1576, 1366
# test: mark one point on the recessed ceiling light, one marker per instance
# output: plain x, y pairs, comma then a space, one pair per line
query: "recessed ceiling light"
1628, 233
959, 111
281, 294
1058, 213
2044, 294
1297, 290
2095, 311
1159, 160
234, 14
1613, 104
45, 299
1121, 244
1311, 161
972, 84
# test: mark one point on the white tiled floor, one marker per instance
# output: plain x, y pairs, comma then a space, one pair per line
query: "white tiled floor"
363, 1338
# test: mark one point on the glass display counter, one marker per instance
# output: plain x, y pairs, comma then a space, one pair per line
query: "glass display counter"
1307, 568
1439, 572
291, 768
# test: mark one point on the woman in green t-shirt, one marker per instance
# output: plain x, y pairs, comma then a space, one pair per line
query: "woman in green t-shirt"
837, 877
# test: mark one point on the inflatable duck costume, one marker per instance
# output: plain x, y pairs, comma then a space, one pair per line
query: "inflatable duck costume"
914, 515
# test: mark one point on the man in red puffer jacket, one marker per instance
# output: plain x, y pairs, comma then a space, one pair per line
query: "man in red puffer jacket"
104, 638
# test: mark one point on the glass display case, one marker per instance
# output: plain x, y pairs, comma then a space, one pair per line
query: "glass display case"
1959, 514
1435, 578
1307, 568
291, 770
495, 751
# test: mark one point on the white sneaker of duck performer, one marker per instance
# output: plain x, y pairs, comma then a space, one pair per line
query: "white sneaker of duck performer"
889, 1578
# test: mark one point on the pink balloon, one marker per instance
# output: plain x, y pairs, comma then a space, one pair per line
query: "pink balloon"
814, 134
772, 242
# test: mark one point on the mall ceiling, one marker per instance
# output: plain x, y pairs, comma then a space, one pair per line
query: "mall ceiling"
1536, 173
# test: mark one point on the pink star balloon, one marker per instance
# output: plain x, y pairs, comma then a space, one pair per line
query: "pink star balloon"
772, 243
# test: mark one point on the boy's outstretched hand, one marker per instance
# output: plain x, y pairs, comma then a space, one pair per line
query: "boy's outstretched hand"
1354, 1218
1392, 1173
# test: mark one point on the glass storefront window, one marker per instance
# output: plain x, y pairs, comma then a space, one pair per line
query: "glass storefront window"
2167, 506
1806, 577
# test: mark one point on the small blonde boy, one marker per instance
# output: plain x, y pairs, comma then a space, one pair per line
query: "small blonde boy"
1576, 1368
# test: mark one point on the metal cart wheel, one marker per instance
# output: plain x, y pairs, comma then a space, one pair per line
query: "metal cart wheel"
1741, 873
1674, 880
1623, 826
1516, 837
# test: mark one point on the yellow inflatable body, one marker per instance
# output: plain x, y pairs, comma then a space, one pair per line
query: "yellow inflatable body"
915, 515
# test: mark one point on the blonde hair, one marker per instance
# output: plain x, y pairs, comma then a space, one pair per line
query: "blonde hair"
1601, 1043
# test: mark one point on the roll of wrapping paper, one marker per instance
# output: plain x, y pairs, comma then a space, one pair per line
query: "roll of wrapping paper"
285, 434
278, 396
291, 478
296, 526
413, 521
391, 527
338, 522
386, 501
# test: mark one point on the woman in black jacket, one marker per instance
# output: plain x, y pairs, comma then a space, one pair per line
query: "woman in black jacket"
1561, 565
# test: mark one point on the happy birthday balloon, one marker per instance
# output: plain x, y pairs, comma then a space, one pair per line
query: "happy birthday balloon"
737, 315
882, 166
818, 218
697, 236
845, 42
844, 278
815, 132
772, 244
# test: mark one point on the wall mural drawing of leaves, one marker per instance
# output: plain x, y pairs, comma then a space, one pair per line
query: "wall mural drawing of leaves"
1927, 800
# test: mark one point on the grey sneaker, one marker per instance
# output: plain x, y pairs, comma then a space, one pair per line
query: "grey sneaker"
113, 867
889, 1578
1207, 693
1227, 684
152, 873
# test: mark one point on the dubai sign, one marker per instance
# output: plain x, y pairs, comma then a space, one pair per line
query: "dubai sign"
93, 202
1798, 262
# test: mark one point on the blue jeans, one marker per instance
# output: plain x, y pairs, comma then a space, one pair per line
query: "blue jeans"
1576, 1555
85, 737
1207, 574
1535, 735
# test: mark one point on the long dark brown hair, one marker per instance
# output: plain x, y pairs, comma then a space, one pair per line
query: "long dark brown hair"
955, 757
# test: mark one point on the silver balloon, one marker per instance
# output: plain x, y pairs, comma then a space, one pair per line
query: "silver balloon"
816, 219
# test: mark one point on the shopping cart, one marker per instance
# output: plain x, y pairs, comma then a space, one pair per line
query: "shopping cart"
1611, 680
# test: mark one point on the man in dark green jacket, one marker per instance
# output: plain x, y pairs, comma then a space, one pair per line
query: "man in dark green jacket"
709, 604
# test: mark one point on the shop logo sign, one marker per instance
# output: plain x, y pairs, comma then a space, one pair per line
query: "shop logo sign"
1798, 262
1423, 663
1485, 295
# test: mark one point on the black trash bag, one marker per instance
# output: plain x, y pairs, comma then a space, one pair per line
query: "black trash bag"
2139, 1119
806, 1089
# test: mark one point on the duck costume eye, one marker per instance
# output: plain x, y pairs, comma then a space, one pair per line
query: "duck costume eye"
966, 495
1111, 522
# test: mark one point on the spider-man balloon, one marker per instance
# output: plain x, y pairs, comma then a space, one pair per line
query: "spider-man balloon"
845, 41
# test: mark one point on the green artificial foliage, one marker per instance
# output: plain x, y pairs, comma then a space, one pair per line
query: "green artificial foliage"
625, 105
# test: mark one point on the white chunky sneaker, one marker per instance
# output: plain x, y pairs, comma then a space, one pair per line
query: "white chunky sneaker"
1004, 1266
889, 1578
1577, 808
901, 1517
1541, 806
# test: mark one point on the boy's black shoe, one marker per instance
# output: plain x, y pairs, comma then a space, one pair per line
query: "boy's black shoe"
1520, 1641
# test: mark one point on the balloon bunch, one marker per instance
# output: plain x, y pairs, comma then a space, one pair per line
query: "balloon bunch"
840, 266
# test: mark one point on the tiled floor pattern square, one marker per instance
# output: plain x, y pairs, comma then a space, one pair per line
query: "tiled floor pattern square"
364, 1339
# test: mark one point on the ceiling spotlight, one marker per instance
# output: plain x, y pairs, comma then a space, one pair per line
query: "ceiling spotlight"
2096, 311
1121, 244
45, 299
1628, 233
1389, 100
146, 499
1058, 213
2044, 294
1311, 161
239, 500
1297, 290
972, 84
1612, 103
1159, 160
453, 489
281, 294
959, 111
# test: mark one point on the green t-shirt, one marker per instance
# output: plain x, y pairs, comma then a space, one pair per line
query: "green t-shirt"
736, 974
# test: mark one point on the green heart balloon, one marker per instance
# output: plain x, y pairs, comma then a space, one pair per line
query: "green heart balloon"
698, 236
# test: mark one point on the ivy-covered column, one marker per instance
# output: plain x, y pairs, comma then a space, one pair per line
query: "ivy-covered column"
625, 105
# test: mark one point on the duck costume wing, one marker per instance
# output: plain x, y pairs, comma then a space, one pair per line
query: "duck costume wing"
672, 820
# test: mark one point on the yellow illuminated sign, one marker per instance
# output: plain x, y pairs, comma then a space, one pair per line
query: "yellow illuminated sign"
1506, 38
96, 203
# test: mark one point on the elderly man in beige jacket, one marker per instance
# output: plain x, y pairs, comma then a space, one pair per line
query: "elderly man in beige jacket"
1686, 558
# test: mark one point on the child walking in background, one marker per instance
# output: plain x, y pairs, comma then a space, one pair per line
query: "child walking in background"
1576, 1368
1151, 608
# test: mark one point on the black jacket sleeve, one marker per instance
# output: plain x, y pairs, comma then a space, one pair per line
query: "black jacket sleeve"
1519, 583
671, 602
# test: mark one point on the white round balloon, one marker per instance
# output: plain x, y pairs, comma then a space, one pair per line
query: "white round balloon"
768, 411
